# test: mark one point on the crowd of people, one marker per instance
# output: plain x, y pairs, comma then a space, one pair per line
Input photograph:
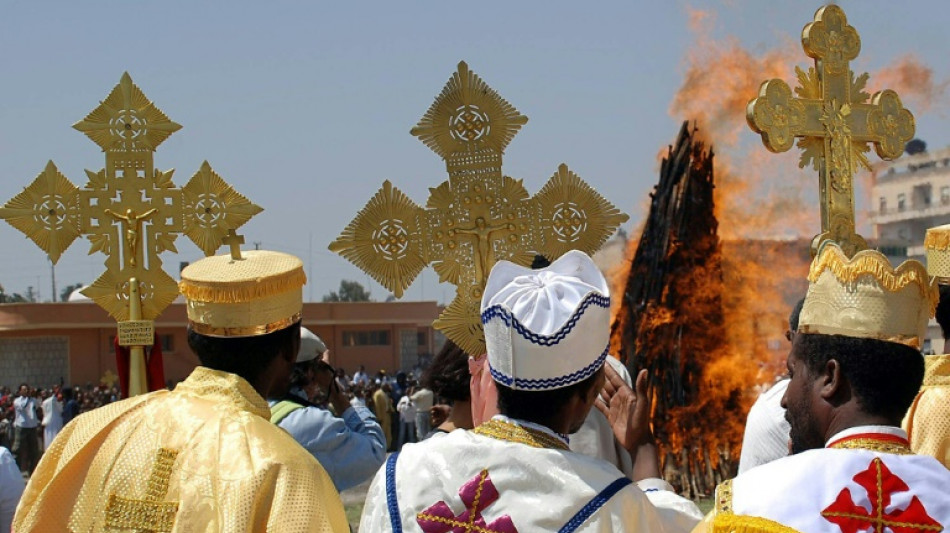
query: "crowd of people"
545, 415
46, 411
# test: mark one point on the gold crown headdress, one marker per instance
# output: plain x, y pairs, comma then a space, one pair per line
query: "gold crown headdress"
478, 216
937, 244
866, 297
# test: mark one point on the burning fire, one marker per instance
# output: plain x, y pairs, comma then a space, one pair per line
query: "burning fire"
767, 212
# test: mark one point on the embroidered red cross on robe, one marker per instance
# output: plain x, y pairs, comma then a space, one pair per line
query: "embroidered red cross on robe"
881, 485
477, 494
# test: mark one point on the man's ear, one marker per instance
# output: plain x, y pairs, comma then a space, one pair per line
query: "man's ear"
831, 381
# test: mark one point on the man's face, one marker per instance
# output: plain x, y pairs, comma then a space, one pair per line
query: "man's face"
24, 390
805, 433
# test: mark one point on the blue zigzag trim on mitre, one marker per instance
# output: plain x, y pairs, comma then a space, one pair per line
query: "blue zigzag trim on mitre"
497, 311
550, 383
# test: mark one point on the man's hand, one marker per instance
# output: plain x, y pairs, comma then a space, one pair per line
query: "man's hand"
338, 399
627, 411
629, 415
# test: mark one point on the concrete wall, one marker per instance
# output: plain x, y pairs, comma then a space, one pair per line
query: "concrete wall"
41, 343
38, 361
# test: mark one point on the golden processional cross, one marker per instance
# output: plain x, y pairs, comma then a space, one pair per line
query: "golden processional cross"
131, 212
834, 121
478, 216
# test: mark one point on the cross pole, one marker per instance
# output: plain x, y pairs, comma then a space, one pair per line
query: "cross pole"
131, 212
478, 216
834, 120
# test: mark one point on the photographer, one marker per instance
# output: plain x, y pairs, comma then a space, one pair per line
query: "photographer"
349, 444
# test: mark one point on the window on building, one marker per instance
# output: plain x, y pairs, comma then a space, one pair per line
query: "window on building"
378, 337
945, 195
168, 342
883, 205
901, 201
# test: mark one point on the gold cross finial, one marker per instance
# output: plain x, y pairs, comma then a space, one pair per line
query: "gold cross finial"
834, 120
234, 241
129, 210
149, 514
109, 378
477, 217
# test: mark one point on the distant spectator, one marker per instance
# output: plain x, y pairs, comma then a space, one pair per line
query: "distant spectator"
423, 400
361, 378
407, 420
70, 406
52, 419
26, 445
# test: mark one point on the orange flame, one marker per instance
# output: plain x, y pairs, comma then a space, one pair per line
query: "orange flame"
767, 213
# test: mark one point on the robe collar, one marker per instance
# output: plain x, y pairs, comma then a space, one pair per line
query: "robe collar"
224, 388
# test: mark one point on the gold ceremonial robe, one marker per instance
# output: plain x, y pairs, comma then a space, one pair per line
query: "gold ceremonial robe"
928, 420
202, 458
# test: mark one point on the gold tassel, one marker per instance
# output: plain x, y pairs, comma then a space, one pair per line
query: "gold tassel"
245, 291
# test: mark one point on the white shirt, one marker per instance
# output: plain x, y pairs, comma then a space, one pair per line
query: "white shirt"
407, 410
766, 430
25, 408
423, 400
11, 488
52, 413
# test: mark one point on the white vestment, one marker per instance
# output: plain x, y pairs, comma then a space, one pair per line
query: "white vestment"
855, 484
512, 487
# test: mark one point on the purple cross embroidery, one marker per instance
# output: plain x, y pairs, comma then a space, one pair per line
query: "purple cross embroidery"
477, 494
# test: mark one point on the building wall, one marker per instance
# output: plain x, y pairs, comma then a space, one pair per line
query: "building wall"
43, 343
40, 360
909, 196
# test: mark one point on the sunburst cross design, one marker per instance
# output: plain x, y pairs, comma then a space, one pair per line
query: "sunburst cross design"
129, 210
478, 216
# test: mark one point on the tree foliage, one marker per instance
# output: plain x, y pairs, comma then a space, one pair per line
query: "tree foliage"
67, 290
350, 291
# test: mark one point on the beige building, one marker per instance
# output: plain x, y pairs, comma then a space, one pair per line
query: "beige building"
908, 196
44, 343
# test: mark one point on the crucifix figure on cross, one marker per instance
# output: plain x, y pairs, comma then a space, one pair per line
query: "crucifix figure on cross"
477, 217
133, 227
834, 120
127, 192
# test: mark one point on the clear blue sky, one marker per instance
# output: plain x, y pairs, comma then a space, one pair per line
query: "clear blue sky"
305, 107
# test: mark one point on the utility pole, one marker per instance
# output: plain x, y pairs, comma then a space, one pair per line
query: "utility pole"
257, 245
52, 269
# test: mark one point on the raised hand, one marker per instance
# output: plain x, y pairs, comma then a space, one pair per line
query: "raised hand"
628, 411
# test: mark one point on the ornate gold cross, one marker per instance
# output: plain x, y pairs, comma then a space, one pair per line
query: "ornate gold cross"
151, 513
131, 212
478, 216
833, 120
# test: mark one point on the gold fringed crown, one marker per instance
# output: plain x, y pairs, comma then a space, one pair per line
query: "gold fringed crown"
937, 244
255, 295
866, 297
